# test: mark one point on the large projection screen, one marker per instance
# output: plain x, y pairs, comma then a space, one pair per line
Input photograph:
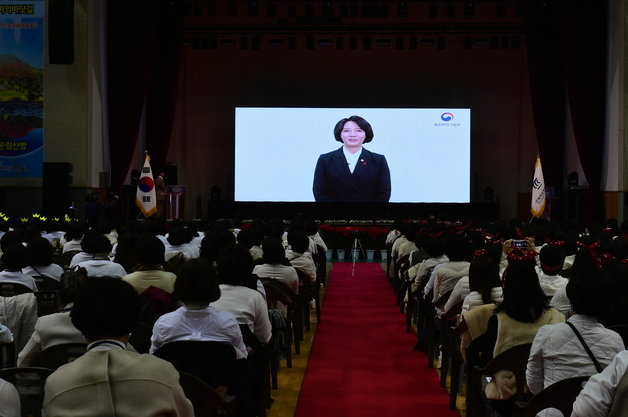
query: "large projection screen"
427, 151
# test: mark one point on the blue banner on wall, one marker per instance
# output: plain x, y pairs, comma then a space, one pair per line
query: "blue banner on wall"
21, 88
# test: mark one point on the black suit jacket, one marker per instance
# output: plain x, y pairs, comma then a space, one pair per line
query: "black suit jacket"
370, 181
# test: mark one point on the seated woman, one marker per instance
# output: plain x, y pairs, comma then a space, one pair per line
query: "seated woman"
275, 265
299, 256
40, 254
557, 353
14, 258
57, 328
249, 307
99, 265
485, 286
552, 259
196, 288
179, 241
149, 253
517, 318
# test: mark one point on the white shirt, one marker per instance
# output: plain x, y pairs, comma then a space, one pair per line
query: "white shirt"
248, 307
103, 268
458, 294
256, 252
10, 400
474, 299
80, 257
550, 283
188, 250
286, 274
352, 158
424, 266
52, 271
558, 354
72, 245
596, 398
561, 302
207, 324
303, 262
316, 237
18, 277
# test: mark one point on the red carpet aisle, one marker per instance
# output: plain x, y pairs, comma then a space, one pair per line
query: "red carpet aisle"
362, 363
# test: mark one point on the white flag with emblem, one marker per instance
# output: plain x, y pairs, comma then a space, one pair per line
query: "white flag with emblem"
145, 197
538, 190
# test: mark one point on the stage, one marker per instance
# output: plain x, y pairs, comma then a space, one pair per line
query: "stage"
351, 211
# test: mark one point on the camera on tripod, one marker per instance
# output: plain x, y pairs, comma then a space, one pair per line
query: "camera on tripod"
355, 234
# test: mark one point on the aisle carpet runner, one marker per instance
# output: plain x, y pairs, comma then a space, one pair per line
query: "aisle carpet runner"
362, 362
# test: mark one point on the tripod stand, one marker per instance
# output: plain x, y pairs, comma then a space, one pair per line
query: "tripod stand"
357, 246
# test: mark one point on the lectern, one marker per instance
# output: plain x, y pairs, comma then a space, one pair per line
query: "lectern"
175, 201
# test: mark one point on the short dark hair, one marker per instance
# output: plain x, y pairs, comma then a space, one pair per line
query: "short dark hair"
40, 251
298, 241
98, 244
235, 266
552, 258
69, 284
360, 121
274, 253
149, 250
14, 256
9, 238
213, 243
197, 282
105, 307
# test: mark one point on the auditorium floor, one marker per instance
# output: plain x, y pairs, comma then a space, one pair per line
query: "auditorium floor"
291, 379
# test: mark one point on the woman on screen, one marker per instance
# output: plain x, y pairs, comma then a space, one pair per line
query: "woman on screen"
352, 173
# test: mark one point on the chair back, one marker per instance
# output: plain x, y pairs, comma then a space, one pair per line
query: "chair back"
47, 302
45, 283
55, 356
213, 362
10, 289
560, 395
29, 382
320, 260
7, 355
515, 360
205, 400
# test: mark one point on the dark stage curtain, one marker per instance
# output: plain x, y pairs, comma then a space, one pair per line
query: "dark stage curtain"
583, 29
567, 54
142, 61
545, 67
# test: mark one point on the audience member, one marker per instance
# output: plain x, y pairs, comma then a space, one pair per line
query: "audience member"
275, 265
57, 328
109, 380
552, 258
197, 320
606, 393
14, 258
237, 293
40, 255
100, 265
557, 352
149, 252
517, 318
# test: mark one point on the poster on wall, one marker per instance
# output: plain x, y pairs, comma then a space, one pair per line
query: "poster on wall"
21, 88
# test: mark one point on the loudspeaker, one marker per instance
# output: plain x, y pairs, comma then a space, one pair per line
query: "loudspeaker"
61, 31
171, 174
56, 181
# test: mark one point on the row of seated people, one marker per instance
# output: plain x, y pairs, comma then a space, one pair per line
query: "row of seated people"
239, 295
513, 305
